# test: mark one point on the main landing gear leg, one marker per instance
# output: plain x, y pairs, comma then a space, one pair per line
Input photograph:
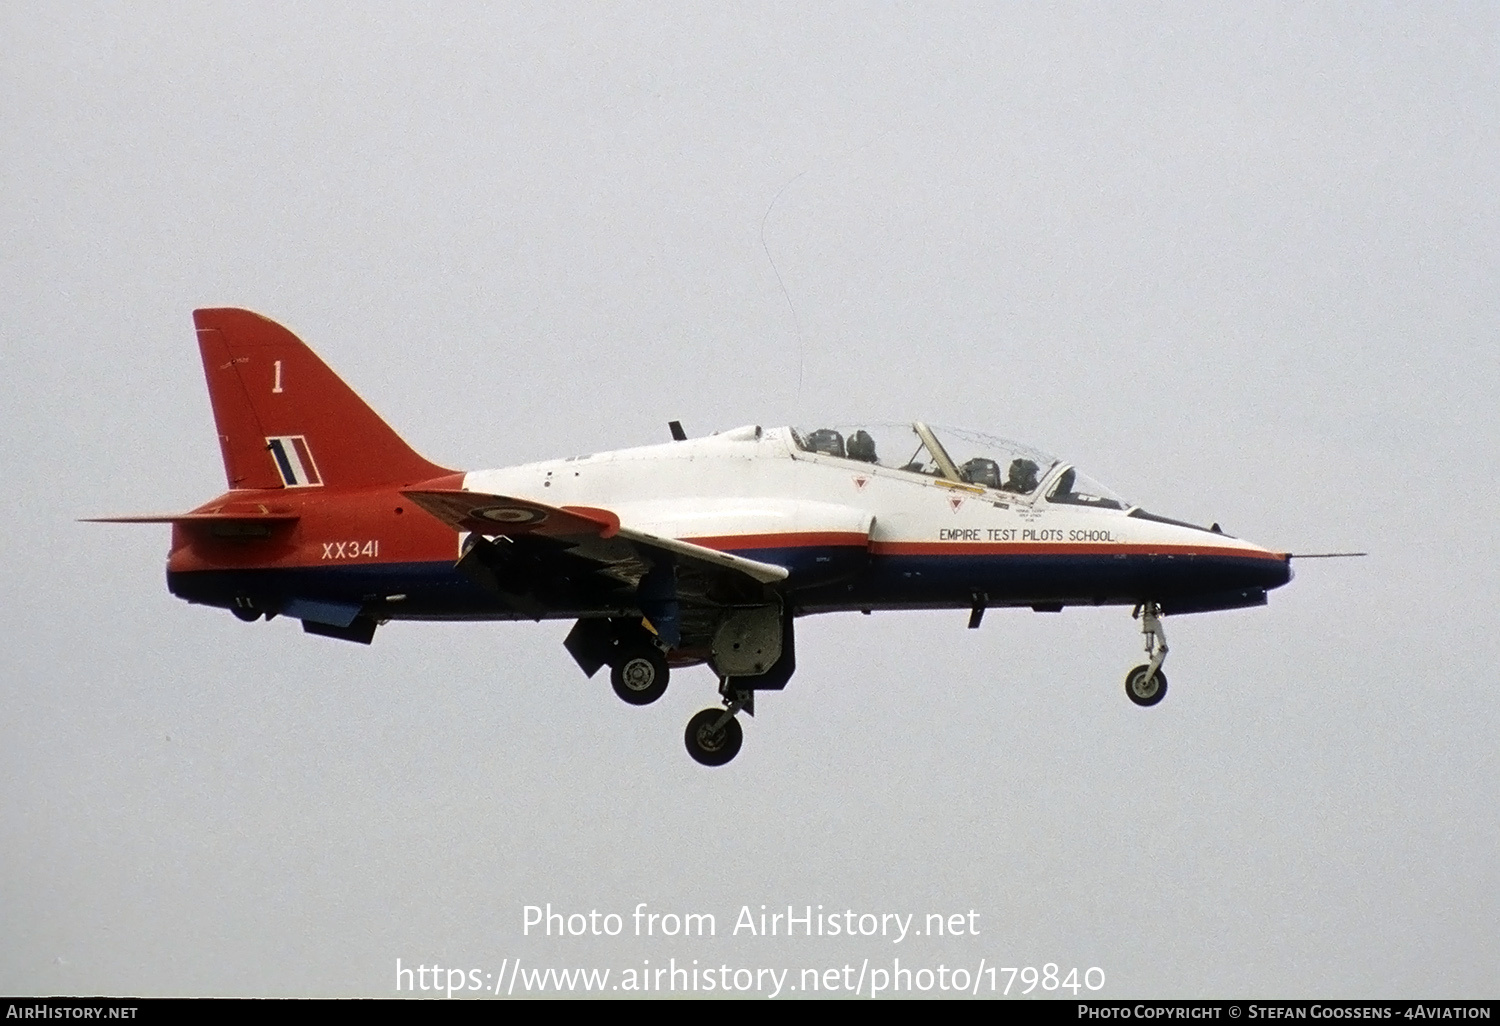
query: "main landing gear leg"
1146, 684
714, 736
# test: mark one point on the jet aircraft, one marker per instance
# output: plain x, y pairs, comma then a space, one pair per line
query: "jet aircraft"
697, 550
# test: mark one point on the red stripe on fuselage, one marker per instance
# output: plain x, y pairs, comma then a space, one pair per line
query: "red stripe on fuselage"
789, 540
1062, 549
853, 539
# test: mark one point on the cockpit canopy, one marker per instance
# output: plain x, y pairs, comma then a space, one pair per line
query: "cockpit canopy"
967, 457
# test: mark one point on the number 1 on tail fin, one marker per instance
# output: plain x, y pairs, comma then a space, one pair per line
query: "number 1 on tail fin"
268, 438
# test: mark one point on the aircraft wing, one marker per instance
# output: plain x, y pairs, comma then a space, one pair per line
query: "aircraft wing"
495, 515
595, 535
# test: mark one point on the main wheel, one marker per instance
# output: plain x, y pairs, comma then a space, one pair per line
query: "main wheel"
709, 746
1142, 691
640, 675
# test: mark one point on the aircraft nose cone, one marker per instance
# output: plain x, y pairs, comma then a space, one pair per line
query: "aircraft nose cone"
1266, 569
1278, 572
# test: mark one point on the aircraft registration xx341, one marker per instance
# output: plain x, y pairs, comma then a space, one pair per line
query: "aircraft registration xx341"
702, 550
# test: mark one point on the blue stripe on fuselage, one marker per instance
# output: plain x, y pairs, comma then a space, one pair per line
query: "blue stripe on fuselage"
820, 576
883, 579
431, 589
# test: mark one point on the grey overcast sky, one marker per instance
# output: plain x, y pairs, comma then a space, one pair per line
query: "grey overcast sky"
1237, 261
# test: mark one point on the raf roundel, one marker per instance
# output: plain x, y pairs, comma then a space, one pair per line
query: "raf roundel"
516, 515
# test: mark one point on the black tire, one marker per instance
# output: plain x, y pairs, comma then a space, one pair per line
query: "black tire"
1143, 692
640, 674
713, 748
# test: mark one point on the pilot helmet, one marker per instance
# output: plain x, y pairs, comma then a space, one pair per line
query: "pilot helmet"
826, 441
861, 446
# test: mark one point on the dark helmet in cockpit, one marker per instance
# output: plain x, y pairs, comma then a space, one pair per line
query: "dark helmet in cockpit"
826, 441
981, 471
861, 447
1021, 477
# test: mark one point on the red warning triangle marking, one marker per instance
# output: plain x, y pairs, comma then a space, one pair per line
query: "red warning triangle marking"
860, 482
955, 502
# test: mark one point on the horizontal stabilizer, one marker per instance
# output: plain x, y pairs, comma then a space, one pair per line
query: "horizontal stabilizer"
195, 518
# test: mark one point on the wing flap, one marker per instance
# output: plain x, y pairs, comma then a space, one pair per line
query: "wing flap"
765, 573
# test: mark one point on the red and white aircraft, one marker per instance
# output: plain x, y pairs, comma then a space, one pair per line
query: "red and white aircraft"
701, 550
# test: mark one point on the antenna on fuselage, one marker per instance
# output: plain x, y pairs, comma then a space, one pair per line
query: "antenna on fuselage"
678, 435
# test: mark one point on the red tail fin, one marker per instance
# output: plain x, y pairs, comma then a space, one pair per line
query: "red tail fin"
285, 420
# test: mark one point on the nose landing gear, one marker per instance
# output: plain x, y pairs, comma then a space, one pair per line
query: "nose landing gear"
1146, 684
714, 736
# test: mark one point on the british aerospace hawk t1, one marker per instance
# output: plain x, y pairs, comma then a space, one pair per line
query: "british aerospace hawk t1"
698, 550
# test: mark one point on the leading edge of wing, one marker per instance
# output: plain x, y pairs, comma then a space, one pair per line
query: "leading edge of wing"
488, 514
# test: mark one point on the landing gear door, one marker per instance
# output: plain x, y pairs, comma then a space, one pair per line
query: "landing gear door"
753, 648
748, 642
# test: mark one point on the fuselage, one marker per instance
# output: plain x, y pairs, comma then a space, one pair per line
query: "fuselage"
854, 535
693, 551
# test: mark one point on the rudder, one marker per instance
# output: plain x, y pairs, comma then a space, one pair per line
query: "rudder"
285, 420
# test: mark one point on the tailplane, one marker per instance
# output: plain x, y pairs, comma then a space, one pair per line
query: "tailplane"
286, 420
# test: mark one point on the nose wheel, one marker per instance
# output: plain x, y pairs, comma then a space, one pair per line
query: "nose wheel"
714, 736
1145, 688
1146, 684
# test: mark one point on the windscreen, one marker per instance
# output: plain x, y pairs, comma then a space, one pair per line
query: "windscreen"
1077, 489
